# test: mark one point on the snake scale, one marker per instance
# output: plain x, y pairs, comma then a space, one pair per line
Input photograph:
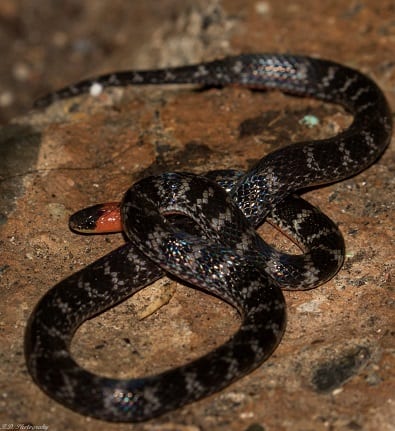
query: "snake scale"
221, 254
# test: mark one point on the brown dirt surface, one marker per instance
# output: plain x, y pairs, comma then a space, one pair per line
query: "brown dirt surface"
334, 369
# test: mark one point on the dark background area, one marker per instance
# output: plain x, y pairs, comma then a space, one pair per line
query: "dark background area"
48, 43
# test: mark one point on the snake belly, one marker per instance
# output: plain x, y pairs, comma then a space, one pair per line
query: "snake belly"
227, 257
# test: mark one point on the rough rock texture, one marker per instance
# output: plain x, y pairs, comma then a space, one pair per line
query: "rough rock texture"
334, 369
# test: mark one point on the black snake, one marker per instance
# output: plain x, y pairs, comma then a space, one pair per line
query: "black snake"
221, 254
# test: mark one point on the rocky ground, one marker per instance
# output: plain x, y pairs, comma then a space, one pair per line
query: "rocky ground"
334, 369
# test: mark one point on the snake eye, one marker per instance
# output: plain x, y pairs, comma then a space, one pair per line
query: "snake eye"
80, 222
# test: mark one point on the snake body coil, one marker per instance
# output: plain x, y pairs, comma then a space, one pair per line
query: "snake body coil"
226, 257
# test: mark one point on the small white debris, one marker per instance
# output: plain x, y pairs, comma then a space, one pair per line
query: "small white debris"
262, 7
96, 89
312, 306
247, 415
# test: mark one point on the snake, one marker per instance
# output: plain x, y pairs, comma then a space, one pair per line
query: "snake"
201, 229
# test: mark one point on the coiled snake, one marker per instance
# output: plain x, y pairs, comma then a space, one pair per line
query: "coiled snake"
222, 254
